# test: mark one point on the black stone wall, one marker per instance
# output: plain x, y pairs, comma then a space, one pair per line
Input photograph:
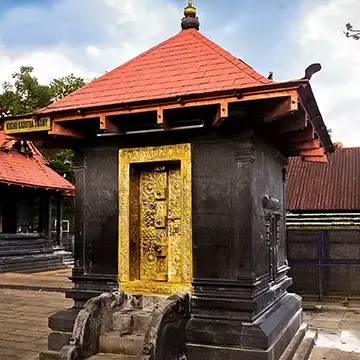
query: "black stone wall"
231, 176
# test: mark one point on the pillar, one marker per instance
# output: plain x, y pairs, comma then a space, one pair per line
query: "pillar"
59, 220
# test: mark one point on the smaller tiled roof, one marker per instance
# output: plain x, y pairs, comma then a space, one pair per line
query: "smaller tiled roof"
332, 186
18, 169
186, 64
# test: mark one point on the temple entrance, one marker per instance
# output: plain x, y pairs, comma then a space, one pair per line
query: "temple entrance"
155, 251
160, 219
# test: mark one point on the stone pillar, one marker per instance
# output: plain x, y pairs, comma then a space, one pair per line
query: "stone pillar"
79, 172
59, 221
45, 215
96, 223
239, 305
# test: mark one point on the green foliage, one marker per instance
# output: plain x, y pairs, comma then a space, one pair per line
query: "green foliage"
65, 85
60, 161
24, 94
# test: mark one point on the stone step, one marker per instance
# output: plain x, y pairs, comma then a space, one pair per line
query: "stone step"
112, 357
40, 269
304, 350
129, 321
29, 267
114, 343
141, 320
49, 355
4, 260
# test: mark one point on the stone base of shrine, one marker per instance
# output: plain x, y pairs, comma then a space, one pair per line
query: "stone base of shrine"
265, 339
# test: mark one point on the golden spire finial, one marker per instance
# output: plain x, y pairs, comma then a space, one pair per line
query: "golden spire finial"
190, 21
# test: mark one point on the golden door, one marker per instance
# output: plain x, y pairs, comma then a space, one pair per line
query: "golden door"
155, 251
160, 220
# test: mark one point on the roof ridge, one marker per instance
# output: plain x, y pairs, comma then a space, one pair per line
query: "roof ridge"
217, 47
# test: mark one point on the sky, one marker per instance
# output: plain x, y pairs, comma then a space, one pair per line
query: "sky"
89, 37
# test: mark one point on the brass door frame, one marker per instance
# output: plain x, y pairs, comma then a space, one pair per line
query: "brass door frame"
181, 153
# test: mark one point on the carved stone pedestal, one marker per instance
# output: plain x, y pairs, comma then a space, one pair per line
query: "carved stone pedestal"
264, 339
239, 307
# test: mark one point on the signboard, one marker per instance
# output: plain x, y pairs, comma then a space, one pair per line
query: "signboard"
27, 125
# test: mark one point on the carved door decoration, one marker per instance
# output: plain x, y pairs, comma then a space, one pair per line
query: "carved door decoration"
155, 249
272, 224
272, 239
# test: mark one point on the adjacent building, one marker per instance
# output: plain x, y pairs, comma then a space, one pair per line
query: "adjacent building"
323, 222
28, 190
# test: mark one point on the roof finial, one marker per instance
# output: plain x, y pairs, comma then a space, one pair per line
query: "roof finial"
190, 21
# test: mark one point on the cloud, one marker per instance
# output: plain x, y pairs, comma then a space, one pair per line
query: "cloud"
84, 37
320, 38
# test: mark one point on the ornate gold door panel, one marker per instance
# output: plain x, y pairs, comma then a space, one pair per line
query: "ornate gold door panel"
155, 248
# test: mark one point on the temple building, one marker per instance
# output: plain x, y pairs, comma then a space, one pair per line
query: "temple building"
323, 221
180, 204
27, 188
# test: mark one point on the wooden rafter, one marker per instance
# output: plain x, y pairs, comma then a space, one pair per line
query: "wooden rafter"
161, 121
307, 145
66, 131
313, 152
284, 107
291, 123
306, 134
222, 113
109, 126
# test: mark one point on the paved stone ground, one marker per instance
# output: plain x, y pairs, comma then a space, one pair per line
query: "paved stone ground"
339, 331
23, 321
57, 280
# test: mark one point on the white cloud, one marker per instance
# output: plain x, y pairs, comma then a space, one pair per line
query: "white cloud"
127, 32
93, 51
321, 39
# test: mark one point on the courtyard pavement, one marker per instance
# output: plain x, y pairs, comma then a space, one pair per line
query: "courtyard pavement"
24, 321
339, 330
26, 303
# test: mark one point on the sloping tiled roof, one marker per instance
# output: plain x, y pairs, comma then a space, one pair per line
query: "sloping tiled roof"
325, 186
185, 64
17, 169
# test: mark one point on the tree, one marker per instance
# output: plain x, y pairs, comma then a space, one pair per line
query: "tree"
65, 85
25, 95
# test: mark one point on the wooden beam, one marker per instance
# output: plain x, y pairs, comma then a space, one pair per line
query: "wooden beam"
161, 119
250, 96
318, 159
291, 123
314, 152
306, 134
307, 145
286, 106
222, 113
109, 126
65, 131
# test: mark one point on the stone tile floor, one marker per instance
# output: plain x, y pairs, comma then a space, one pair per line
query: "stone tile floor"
57, 280
23, 321
339, 331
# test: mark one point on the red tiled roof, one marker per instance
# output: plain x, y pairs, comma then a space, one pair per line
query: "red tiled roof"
187, 63
325, 186
17, 169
